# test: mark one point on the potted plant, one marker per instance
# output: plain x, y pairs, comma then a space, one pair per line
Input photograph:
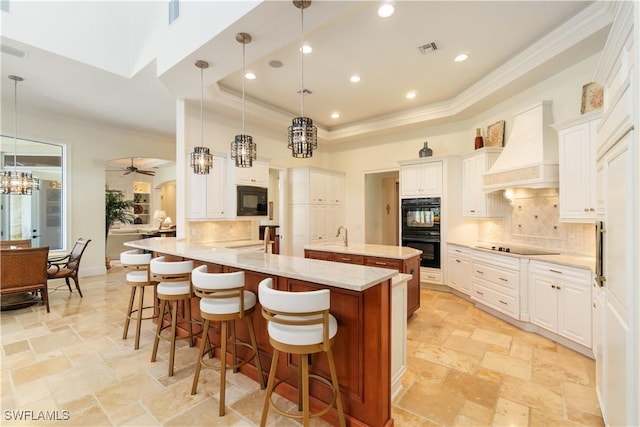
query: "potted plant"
117, 209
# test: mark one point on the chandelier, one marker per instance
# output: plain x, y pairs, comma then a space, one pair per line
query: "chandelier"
243, 149
303, 135
201, 158
14, 182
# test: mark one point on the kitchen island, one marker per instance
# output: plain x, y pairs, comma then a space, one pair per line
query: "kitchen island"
405, 260
361, 299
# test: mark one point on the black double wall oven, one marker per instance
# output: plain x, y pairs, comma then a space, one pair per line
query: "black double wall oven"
421, 228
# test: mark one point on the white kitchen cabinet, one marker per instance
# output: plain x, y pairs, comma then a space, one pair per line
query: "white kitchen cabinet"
421, 179
577, 140
316, 205
495, 282
207, 194
561, 301
256, 176
459, 264
475, 202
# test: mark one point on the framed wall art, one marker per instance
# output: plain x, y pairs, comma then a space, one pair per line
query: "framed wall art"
495, 134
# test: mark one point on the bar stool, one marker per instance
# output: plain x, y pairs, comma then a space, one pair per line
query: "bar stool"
174, 284
224, 299
299, 323
138, 278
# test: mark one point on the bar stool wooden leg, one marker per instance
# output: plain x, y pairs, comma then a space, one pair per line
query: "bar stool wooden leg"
127, 318
174, 327
336, 387
154, 352
304, 362
270, 384
234, 349
203, 345
223, 365
254, 343
192, 340
139, 319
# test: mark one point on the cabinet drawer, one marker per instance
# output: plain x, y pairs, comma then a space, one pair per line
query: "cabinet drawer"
561, 271
384, 263
325, 256
431, 275
348, 258
504, 279
503, 303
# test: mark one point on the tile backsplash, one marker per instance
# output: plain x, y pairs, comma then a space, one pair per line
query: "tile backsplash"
531, 218
221, 231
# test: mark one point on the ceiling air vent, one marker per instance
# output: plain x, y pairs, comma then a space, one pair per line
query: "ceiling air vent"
428, 48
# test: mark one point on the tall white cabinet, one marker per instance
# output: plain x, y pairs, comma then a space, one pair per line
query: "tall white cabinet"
316, 206
577, 139
476, 204
618, 157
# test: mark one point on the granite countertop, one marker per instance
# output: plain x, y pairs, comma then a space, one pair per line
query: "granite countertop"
339, 275
383, 251
570, 260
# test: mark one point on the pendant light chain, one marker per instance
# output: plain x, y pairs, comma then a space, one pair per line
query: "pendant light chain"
302, 61
201, 100
244, 45
201, 157
243, 149
15, 124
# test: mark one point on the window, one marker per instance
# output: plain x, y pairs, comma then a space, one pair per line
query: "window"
40, 216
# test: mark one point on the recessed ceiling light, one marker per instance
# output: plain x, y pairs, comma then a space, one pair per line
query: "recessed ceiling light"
386, 10
249, 75
335, 115
355, 78
411, 95
461, 57
306, 48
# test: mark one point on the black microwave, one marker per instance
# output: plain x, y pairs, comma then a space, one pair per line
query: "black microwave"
252, 201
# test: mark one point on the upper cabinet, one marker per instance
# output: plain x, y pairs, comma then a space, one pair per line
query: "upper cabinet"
475, 202
207, 194
421, 179
577, 141
257, 175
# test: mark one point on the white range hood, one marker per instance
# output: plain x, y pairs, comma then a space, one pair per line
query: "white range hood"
530, 156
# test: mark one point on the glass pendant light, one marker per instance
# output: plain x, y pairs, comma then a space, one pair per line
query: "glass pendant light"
243, 149
303, 135
14, 182
201, 158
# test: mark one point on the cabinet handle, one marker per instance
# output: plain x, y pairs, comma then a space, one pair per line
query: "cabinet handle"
502, 302
555, 271
480, 272
478, 292
431, 277
457, 260
457, 250
345, 259
503, 279
380, 263
472, 211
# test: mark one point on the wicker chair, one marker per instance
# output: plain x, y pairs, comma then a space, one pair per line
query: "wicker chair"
14, 244
66, 267
25, 270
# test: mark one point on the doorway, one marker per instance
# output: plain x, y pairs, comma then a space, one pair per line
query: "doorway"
382, 205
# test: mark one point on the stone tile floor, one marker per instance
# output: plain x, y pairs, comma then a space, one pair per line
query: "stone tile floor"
465, 368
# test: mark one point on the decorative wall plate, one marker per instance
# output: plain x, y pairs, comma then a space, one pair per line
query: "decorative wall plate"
495, 135
592, 97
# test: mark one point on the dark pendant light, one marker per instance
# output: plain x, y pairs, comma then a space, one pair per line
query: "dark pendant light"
303, 135
14, 182
201, 158
243, 149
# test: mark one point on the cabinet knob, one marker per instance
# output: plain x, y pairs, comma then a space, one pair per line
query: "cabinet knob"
553, 286
592, 210
457, 260
472, 211
586, 209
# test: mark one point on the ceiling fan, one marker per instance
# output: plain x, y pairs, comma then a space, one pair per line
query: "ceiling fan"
133, 169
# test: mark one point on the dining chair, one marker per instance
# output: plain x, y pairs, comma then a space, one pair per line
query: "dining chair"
15, 244
67, 267
25, 270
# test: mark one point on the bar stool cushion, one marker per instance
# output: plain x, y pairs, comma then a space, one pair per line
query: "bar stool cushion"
227, 305
137, 276
301, 335
174, 288
135, 257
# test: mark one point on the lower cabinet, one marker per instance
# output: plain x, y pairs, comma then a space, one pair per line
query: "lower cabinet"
495, 282
459, 265
560, 300
409, 266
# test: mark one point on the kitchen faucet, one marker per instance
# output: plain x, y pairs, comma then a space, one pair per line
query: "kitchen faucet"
345, 239
267, 239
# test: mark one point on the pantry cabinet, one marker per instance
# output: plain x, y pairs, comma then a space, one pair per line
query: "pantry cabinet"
207, 194
560, 300
577, 140
475, 202
459, 265
421, 179
316, 206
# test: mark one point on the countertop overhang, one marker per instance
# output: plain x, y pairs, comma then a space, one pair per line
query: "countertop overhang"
383, 251
346, 276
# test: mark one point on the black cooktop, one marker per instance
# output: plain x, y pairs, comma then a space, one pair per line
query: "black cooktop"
518, 250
